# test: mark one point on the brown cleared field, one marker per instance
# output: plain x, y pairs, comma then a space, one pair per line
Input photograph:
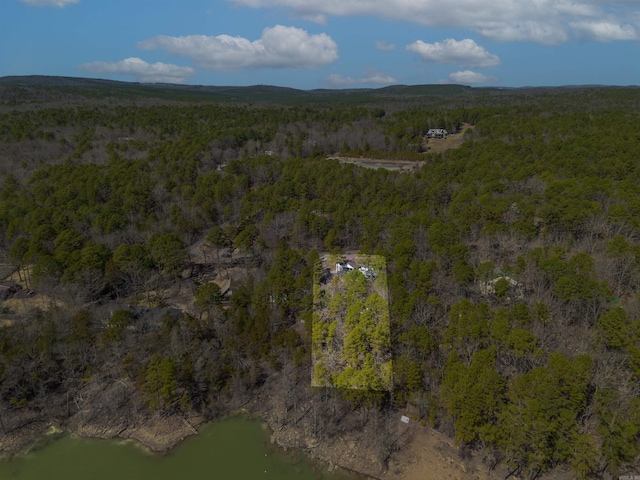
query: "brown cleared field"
388, 164
431, 145
439, 145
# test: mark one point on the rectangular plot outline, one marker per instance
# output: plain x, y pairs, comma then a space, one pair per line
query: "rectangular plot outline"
351, 333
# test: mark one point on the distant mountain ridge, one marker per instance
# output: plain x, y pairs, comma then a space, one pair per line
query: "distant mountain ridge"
95, 87
234, 93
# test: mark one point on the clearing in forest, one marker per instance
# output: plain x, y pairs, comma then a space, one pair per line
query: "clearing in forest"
351, 338
439, 145
429, 145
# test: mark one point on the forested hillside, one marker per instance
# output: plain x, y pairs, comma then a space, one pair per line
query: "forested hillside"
513, 261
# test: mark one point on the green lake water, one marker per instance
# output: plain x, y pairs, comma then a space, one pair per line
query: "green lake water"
233, 449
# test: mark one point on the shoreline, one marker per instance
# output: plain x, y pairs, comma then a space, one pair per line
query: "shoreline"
347, 443
428, 451
31, 442
154, 437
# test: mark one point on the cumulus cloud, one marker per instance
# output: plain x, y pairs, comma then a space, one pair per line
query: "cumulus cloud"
373, 77
467, 77
279, 47
50, 3
464, 52
142, 71
384, 46
542, 21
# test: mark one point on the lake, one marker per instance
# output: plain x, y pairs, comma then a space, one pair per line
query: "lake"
234, 449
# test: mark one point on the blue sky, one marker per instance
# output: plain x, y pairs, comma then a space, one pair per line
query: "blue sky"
325, 43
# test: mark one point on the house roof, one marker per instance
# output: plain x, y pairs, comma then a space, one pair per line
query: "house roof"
224, 284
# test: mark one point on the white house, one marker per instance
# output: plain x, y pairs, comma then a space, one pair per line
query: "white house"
367, 271
343, 267
437, 133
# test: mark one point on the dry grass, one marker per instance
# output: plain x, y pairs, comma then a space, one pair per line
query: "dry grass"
432, 145
431, 454
388, 164
439, 145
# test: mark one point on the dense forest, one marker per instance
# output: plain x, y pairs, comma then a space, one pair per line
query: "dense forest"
513, 261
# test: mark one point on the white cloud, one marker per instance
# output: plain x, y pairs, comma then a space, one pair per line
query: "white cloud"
50, 3
541, 21
464, 52
279, 47
142, 71
314, 17
547, 33
468, 77
372, 77
605, 31
384, 46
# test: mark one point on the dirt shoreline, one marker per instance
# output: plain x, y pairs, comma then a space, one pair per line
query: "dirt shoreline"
157, 434
160, 434
348, 439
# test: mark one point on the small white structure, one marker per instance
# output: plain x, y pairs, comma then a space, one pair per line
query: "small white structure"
367, 271
343, 267
404, 419
437, 133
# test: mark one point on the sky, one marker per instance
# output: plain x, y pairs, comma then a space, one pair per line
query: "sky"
309, 44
